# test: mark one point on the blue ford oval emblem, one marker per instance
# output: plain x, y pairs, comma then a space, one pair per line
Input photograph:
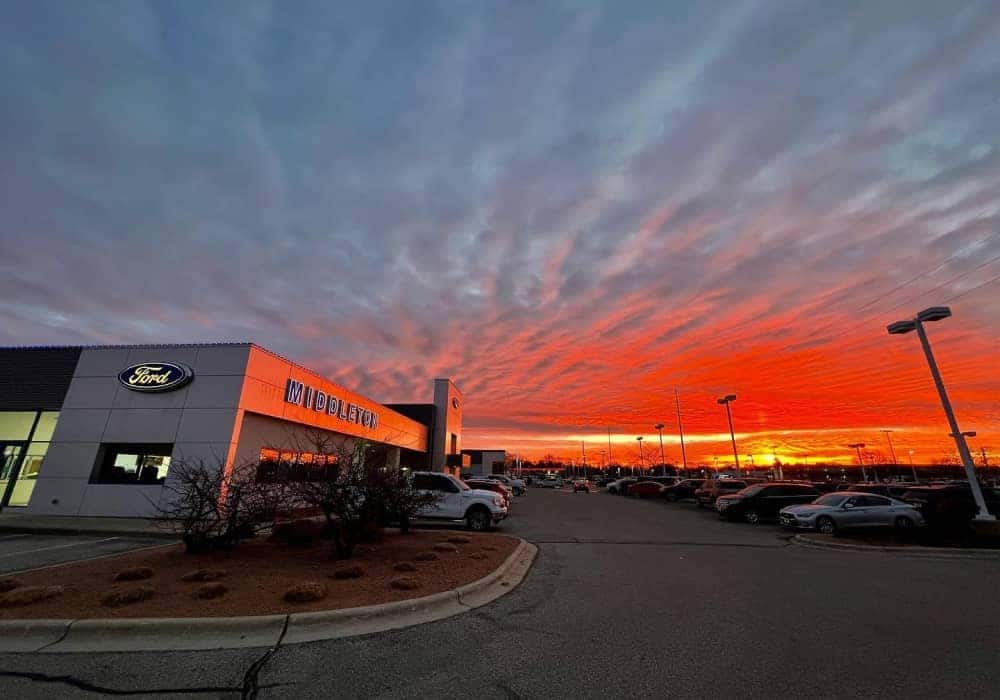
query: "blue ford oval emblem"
155, 376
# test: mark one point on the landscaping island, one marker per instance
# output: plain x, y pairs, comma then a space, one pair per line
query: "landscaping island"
260, 577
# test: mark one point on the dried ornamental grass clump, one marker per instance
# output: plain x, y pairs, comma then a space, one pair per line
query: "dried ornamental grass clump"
404, 583
138, 573
445, 547
127, 596
305, 592
26, 595
202, 575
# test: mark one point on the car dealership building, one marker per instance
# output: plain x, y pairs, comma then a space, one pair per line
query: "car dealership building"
92, 431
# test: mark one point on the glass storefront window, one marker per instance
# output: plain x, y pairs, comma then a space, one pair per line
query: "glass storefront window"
15, 425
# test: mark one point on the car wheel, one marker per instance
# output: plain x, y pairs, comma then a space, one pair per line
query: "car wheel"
826, 526
751, 516
903, 523
478, 519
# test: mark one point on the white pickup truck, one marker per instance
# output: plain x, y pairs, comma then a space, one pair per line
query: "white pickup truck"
480, 509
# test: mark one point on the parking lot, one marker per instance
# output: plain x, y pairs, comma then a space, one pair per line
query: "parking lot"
629, 598
21, 552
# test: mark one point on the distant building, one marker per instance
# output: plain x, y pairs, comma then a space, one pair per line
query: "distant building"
483, 462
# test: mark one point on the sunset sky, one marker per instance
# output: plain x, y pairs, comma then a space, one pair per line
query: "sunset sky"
569, 207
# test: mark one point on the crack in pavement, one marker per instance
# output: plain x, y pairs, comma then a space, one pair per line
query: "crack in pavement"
250, 687
80, 684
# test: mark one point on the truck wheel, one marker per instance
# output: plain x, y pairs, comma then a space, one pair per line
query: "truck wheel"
751, 516
903, 523
478, 519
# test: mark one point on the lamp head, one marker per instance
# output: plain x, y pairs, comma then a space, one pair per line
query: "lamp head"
934, 313
901, 327
658, 426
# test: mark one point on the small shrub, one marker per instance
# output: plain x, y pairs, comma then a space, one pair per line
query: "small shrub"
127, 596
208, 591
305, 592
201, 575
405, 566
426, 556
9, 584
477, 555
138, 573
404, 583
459, 539
26, 595
349, 572
445, 547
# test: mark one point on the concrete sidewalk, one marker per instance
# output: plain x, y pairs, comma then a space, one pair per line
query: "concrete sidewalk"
13, 522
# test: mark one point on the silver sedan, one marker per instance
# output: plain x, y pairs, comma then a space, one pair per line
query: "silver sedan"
847, 509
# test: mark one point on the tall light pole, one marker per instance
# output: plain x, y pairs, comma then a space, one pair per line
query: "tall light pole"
778, 471
609, 447
641, 463
663, 461
859, 446
891, 450
680, 430
913, 468
726, 400
939, 313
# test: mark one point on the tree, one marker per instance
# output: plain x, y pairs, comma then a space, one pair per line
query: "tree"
213, 506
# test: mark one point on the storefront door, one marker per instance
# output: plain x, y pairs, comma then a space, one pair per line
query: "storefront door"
11, 455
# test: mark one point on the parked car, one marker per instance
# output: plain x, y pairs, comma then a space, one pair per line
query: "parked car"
644, 489
604, 481
490, 485
515, 485
760, 501
890, 490
618, 486
711, 489
581, 485
824, 486
949, 506
843, 510
480, 509
683, 489
551, 482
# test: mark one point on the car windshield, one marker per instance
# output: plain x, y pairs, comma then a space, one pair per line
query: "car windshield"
752, 490
831, 499
462, 485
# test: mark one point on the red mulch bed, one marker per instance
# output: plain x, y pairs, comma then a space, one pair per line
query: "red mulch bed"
257, 575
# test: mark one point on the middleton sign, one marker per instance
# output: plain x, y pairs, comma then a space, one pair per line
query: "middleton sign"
320, 401
155, 376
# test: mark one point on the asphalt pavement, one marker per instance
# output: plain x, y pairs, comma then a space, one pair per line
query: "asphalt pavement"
23, 551
626, 599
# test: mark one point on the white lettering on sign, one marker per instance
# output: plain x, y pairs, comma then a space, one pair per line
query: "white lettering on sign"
318, 400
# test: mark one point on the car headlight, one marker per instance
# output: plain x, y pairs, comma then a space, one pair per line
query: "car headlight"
497, 501
804, 516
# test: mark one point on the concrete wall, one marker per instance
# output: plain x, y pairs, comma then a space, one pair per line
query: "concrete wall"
198, 419
489, 459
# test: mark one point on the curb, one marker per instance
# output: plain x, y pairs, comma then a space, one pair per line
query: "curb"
206, 633
914, 551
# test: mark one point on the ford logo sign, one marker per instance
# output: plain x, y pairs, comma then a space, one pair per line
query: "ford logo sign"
155, 376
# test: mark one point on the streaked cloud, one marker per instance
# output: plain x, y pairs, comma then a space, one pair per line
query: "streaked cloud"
569, 207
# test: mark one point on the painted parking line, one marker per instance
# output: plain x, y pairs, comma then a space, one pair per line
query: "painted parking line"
58, 546
4, 538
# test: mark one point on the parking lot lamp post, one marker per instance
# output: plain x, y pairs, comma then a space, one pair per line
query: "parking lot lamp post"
939, 313
892, 451
680, 431
859, 446
642, 462
663, 461
913, 468
726, 400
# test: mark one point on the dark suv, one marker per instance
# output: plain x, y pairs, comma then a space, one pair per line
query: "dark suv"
761, 501
711, 489
682, 489
949, 506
